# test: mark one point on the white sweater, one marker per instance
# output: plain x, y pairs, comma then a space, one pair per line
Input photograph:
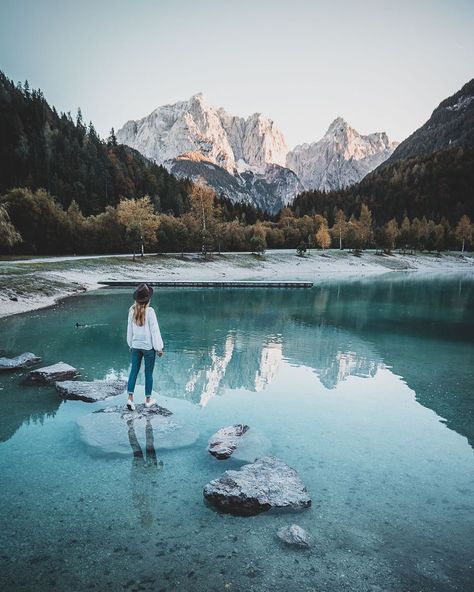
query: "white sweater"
146, 337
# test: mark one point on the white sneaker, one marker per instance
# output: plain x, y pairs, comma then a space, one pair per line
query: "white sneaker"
150, 403
130, 405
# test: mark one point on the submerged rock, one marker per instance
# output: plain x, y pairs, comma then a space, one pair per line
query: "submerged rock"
50, 374
295, 536
90, 391
21, 361
223, 443
116, 431
267, 483
140, 411
247, 447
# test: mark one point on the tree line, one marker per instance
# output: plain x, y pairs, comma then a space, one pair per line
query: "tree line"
33, 222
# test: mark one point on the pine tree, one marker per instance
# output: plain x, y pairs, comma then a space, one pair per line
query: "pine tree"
112, 140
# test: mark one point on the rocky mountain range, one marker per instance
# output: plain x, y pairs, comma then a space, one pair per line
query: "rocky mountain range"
341, 158
248, 159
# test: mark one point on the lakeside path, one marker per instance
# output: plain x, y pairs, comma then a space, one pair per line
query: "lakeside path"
28, 284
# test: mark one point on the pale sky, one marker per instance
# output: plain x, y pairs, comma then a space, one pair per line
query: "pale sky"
382, 65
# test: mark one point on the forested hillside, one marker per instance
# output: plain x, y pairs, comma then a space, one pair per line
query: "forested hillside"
436, 186
40, 148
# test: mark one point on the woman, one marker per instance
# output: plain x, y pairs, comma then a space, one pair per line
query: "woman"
144, 340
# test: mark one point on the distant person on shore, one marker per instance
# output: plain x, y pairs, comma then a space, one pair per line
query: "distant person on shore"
144, 340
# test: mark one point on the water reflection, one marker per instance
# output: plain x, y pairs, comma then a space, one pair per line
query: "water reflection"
143, 472
23, 405
239, 339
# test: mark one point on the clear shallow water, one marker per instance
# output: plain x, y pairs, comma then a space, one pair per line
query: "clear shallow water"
364, 387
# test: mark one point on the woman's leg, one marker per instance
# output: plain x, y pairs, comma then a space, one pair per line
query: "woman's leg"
132, 379
150, 356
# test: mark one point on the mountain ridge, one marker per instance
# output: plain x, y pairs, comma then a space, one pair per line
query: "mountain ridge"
252, 150
450, 124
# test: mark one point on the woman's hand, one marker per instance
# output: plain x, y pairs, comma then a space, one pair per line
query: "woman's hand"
160, 353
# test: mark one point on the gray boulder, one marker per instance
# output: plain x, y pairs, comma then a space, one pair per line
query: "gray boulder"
116, 432
258, 487
223, 443
294, 536
90, 392
51, 374
21, 361
239, 441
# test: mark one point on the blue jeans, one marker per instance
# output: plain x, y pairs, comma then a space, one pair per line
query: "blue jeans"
150, 357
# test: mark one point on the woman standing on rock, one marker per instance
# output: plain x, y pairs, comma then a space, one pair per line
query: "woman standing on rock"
144, 340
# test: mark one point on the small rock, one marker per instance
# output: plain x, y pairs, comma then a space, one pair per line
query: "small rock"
258, 487
50, 374
13, 298
223, 443
96, 390
21, 361
295, 536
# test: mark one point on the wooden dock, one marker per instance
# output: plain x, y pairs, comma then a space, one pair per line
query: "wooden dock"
209, 284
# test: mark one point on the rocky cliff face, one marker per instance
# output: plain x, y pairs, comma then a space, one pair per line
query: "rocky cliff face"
341, 158
248, 159
234, 143
270, 188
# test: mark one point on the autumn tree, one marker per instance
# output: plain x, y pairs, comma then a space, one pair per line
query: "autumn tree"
365, 231
76, 222
9, 236
323, 238
274, 236
258, 242
463, 231
140, 222
391, 232
405, 234
204, 211
339, 228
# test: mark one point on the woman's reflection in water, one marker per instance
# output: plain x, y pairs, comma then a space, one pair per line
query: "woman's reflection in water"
144, 468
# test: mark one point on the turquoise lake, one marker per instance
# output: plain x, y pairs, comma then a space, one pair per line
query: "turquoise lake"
365, 387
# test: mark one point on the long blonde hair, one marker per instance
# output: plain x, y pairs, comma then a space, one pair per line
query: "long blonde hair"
139, 311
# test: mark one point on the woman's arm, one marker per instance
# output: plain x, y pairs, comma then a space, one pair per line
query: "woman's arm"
129, 328
156, 338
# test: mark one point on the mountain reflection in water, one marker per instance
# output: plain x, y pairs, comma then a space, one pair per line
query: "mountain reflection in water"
218, 339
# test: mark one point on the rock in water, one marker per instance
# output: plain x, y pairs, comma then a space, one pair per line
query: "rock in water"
50, 374
265, 484
116, 431
96, 390
295, 536
21, 361
223, 443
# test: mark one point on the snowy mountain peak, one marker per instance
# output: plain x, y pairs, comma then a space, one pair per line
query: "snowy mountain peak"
195, 126
339, 125
341, 158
